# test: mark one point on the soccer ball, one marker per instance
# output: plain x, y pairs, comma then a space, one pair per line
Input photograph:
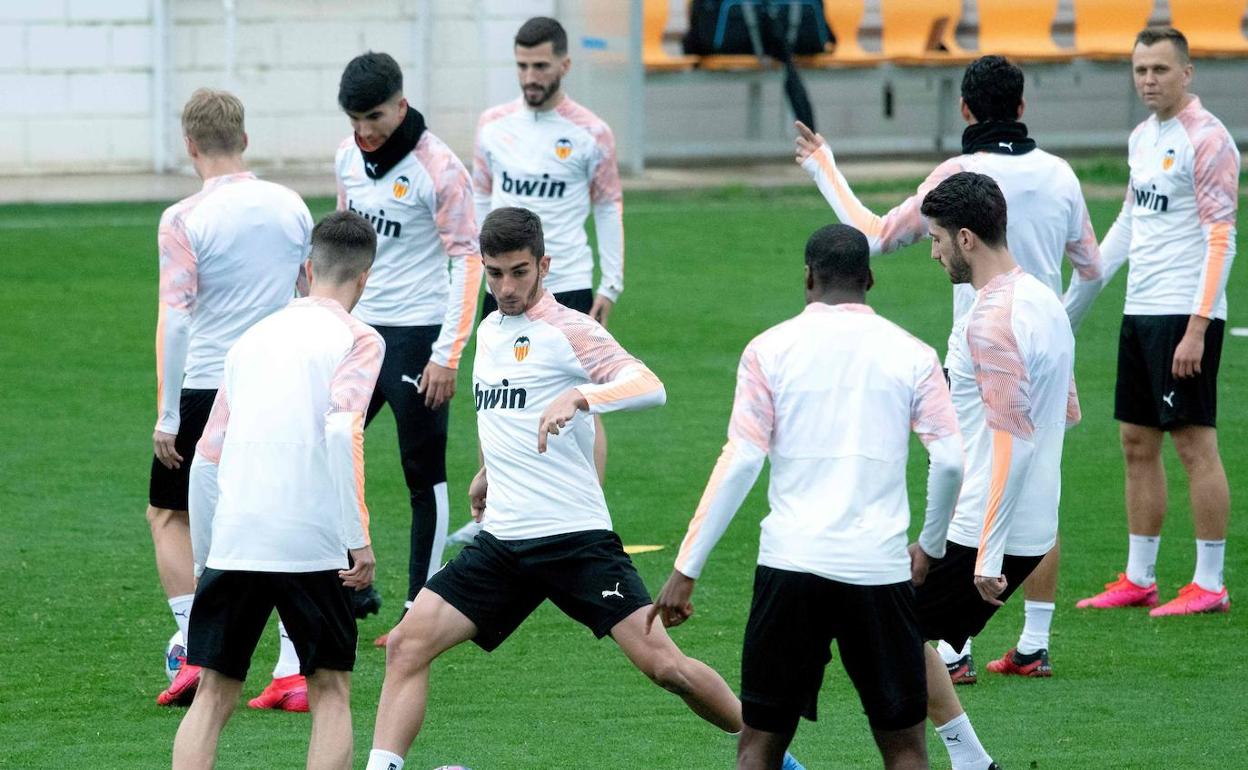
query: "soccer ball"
175, 651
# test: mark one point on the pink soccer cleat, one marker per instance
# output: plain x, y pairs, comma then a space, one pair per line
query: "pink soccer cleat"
1193, 600
1121, 593
289, 693
1035, 665
182, 690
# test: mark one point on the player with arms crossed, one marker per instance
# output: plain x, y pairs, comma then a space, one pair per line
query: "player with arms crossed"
1177, 229
541, 371
277, 500
831, 397
1048, 218
229, 256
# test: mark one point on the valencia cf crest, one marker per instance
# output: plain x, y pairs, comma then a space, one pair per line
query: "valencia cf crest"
520, 348
401, 186
563, 149
1167, 162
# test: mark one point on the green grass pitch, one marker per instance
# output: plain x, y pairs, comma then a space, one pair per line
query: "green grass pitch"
83, 621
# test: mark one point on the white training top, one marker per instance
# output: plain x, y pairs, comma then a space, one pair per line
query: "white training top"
229, 255
831, 396
523, 363
422, 211
277, 484
1012, 377
558, 163
1177, 224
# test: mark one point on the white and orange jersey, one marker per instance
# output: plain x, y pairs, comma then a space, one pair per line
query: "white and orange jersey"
559, 163
523, 363
832, 396
277, 484
229, 255
1177, 225
1047, 218
1011, 373
423, 213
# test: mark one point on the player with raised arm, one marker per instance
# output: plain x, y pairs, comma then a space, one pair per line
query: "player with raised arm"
418, 196
277, 500
1048, 218
541, 372
830, 397
1177, 230
229, 255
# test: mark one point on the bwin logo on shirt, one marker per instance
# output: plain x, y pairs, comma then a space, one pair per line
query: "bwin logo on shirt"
1151, 199
505, 397
386, 227
537, 188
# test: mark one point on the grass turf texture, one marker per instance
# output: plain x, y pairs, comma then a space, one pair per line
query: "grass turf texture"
84, 622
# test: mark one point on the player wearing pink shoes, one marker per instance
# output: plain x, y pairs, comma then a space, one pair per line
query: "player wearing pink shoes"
1177, 231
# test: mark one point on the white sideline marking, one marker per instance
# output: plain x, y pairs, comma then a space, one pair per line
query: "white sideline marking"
1239, 331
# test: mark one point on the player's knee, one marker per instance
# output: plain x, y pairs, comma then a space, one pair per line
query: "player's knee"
1140, 447
407, 651
668, 672
1196, 450
160, 518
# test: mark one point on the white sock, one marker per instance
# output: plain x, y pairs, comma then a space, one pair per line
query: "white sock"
287, 658
949, 655
965, 750
384, 760
181, 607
1037, 617
1142, 559
1210, 555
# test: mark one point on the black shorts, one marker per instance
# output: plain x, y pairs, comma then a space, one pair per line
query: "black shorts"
949, 604
578, 299
1147, 393
232, 608
167, 487
793, 619
498, 583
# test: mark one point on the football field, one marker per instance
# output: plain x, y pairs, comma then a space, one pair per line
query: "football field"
83, 621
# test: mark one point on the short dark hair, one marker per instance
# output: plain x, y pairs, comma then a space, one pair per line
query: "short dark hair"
511, 229
992, 88
343, 246
839, 258
1154, 35
543, 29
969, 200
369, 80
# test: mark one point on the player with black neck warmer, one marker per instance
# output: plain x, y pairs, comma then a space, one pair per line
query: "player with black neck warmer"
422, 292
1004, 137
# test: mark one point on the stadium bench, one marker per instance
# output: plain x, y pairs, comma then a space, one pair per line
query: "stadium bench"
653, 25
844, 17
1212, 27
920, 32
1019, 29
1106, 29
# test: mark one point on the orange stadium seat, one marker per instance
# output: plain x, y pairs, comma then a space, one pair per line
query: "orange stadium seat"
653, 25
1106, 29
844, 17
1020, 29
921, 31
1212, 27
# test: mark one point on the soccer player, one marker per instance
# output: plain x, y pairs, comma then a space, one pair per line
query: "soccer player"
1049, 218
229, 255
546, 153
1177, 229
1011, 375
417, 194
277, 500
541, 371
831, 397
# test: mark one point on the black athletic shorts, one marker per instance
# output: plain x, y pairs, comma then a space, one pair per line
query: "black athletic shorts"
579, 299
949, 604
793, 619
232, 608
498, 583
1147, 393
168, 487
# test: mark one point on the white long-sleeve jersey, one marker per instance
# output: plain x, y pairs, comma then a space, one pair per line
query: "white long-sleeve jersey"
277, 484
1011, 374
561, 164
832, 396
229, 255
1177, 224
423, 212
523, 363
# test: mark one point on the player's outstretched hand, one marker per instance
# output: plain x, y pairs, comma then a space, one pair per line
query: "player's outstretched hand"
920, 563
990, 588
438, 384
808, 142
1187, 356
476, 494
673, 605
163, 446
557, 415
601, 309
360, 576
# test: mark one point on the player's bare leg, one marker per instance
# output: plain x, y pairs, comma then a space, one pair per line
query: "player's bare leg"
943, 705
1030, 656
329, 700
658, 657
946, 714
1041, 584
1197, 446
171, 534
431, 627
600, 449
1146, 479
904, 749
761, 750
195, 746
